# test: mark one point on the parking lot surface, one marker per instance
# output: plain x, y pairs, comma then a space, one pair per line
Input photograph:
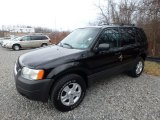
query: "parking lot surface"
115, 98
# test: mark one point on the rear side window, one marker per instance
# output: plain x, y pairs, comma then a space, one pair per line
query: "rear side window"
36, 37
127, 36
39, 38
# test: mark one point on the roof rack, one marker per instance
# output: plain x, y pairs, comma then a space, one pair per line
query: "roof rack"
121, 24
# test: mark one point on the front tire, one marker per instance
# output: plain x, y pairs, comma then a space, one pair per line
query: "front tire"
137, 69
68, 92
16, 47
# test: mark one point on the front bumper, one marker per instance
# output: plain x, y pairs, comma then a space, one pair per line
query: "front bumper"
3, 45
32, 89
6, 46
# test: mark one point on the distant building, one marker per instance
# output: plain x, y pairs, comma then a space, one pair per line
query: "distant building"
23, 30
18, 29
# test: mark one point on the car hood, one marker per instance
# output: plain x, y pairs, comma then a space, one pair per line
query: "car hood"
9, 41
54, 54
6, 41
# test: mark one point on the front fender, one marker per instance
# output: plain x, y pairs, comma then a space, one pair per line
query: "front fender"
68, 67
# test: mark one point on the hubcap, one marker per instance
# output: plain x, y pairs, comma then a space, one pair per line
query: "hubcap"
71, 94
139, 67
16, 47
44, 45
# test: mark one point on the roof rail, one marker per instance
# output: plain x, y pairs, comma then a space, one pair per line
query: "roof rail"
121, 24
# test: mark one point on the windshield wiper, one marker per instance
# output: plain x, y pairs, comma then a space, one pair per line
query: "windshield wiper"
68, 45
60, 44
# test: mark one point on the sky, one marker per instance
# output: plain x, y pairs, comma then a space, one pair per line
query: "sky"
54, 14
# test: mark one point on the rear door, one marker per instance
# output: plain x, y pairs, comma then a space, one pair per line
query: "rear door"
129, 46
44, 39
36, 41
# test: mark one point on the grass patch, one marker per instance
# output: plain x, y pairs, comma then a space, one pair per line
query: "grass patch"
152, 68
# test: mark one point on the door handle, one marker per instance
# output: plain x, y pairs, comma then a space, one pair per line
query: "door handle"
118, 53
120, 57
102, 52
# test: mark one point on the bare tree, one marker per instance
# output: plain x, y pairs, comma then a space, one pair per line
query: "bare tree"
118, 12
143, 13
149, 19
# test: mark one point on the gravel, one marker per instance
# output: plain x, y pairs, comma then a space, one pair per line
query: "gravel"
116, 98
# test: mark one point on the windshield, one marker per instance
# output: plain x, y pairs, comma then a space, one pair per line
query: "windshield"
80, 38
17, 38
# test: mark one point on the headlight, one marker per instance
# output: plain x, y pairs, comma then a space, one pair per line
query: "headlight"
32, 74
8, 43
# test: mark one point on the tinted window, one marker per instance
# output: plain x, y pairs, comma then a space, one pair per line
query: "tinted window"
127, 36
36, 37
39, 38
44, 38
110, 36
141, 37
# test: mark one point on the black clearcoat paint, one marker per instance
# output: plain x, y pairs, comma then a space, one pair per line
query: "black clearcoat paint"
56, 61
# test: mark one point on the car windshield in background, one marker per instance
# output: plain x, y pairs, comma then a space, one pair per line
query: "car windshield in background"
17, 38
80, 38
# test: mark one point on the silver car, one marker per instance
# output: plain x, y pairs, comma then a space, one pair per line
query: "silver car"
4, 39
29, 41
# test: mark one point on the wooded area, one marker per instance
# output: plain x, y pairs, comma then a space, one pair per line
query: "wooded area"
142, 13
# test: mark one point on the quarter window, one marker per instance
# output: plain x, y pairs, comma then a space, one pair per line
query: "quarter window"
140, 35
127, 36
44, 38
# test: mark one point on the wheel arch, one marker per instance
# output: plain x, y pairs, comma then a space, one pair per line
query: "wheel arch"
16, 44
43, 44
143, 55
79, 72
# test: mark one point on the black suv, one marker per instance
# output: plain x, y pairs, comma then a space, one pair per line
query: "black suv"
62, 72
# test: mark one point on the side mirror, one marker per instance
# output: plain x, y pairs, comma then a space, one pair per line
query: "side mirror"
103, 47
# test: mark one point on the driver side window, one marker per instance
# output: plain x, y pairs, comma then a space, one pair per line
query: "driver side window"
110, 36
26, 38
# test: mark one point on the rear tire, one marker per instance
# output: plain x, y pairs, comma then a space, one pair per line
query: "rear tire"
16, 47
44, 45
137, 69
68, 92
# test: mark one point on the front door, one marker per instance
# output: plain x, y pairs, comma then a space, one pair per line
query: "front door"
26, 42
108, 60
